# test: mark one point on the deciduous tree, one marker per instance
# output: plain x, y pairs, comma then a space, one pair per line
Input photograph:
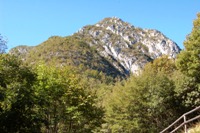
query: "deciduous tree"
17, 99
145, 103
65, 104
188, 62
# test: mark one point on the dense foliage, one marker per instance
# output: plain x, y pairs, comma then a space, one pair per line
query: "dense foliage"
80, 92
17, 99
188, 63
47, 99
142, 101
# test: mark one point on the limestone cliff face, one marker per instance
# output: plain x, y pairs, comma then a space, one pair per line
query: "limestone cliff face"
128, 47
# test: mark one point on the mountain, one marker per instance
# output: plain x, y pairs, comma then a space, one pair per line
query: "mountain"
66, 51
131, 46
111, 46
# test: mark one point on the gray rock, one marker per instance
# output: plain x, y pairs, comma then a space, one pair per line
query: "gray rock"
132, 47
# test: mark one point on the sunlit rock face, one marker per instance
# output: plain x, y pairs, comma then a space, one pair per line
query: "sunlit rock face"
127, 47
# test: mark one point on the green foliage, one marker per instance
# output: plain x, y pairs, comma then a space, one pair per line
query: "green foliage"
48, 100
65, 104
189, 59
188, 62
162, 64
17, 99
142, 104
187, 91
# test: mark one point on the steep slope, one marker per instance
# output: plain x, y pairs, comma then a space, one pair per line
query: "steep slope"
61, 51
132, 47
111, 46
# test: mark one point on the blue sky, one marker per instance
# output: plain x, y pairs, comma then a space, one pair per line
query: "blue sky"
31, 22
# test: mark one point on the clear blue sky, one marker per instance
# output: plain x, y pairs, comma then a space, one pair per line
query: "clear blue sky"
30, 22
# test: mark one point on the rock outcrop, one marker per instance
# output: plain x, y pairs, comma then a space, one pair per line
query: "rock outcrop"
130, 46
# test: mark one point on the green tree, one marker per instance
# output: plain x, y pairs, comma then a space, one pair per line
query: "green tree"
65, 104
188, 62
162, 64
187, 92
17, 100
142, 104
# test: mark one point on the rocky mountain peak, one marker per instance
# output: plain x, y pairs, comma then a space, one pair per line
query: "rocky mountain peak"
130, 46
111, 20
114, 24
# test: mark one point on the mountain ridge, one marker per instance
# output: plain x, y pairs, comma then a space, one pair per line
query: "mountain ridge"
151, 43
124, 47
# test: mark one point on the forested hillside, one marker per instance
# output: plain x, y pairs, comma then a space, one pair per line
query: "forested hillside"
79, 84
